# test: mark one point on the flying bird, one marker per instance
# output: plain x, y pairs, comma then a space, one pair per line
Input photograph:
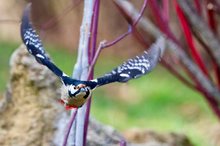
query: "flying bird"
74, 93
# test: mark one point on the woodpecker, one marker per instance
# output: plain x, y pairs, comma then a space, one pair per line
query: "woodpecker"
74, 93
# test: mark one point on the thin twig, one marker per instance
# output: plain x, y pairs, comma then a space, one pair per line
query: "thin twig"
140, 14
130, 27
69, 127
98, 51
109, 44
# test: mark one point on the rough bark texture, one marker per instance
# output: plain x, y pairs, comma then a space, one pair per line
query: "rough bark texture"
31, 116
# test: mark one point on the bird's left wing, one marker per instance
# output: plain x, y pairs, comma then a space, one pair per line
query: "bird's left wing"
136, 67
34, 45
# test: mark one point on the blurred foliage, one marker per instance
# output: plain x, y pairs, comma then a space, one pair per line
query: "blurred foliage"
156, 101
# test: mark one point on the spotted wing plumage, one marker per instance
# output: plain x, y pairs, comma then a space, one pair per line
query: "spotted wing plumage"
35, 47
136, 67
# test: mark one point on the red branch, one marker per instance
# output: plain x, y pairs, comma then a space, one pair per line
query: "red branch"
198, 6
188, 36
161, 22
212, 24
166, 10
211, 16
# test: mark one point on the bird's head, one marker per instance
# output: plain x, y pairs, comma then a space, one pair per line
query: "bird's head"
74, 96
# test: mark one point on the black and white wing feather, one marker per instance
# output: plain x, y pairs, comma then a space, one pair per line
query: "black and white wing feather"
136, 67
35, 47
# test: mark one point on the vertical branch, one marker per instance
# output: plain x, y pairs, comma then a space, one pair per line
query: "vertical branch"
83, 47
94, 30
81, 71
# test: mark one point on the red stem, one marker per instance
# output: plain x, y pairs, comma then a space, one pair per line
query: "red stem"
217, 6
212, 24
94, 60
188, 36
109, 44
165, 10
211, 16
140, 14
198, 7
163, 25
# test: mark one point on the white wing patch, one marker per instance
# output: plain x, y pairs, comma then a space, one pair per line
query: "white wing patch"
40, 56
124, 75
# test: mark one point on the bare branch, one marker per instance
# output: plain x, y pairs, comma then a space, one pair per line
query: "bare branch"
84, 64
81, 72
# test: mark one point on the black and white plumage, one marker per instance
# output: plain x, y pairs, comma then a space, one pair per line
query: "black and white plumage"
135, 67
76, 92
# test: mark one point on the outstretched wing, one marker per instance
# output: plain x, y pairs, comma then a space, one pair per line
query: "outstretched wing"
136, 67
34, 44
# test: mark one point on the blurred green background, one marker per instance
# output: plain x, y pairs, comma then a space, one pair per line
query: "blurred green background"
157, 101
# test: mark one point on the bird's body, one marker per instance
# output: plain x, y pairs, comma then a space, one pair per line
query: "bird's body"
76, 92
